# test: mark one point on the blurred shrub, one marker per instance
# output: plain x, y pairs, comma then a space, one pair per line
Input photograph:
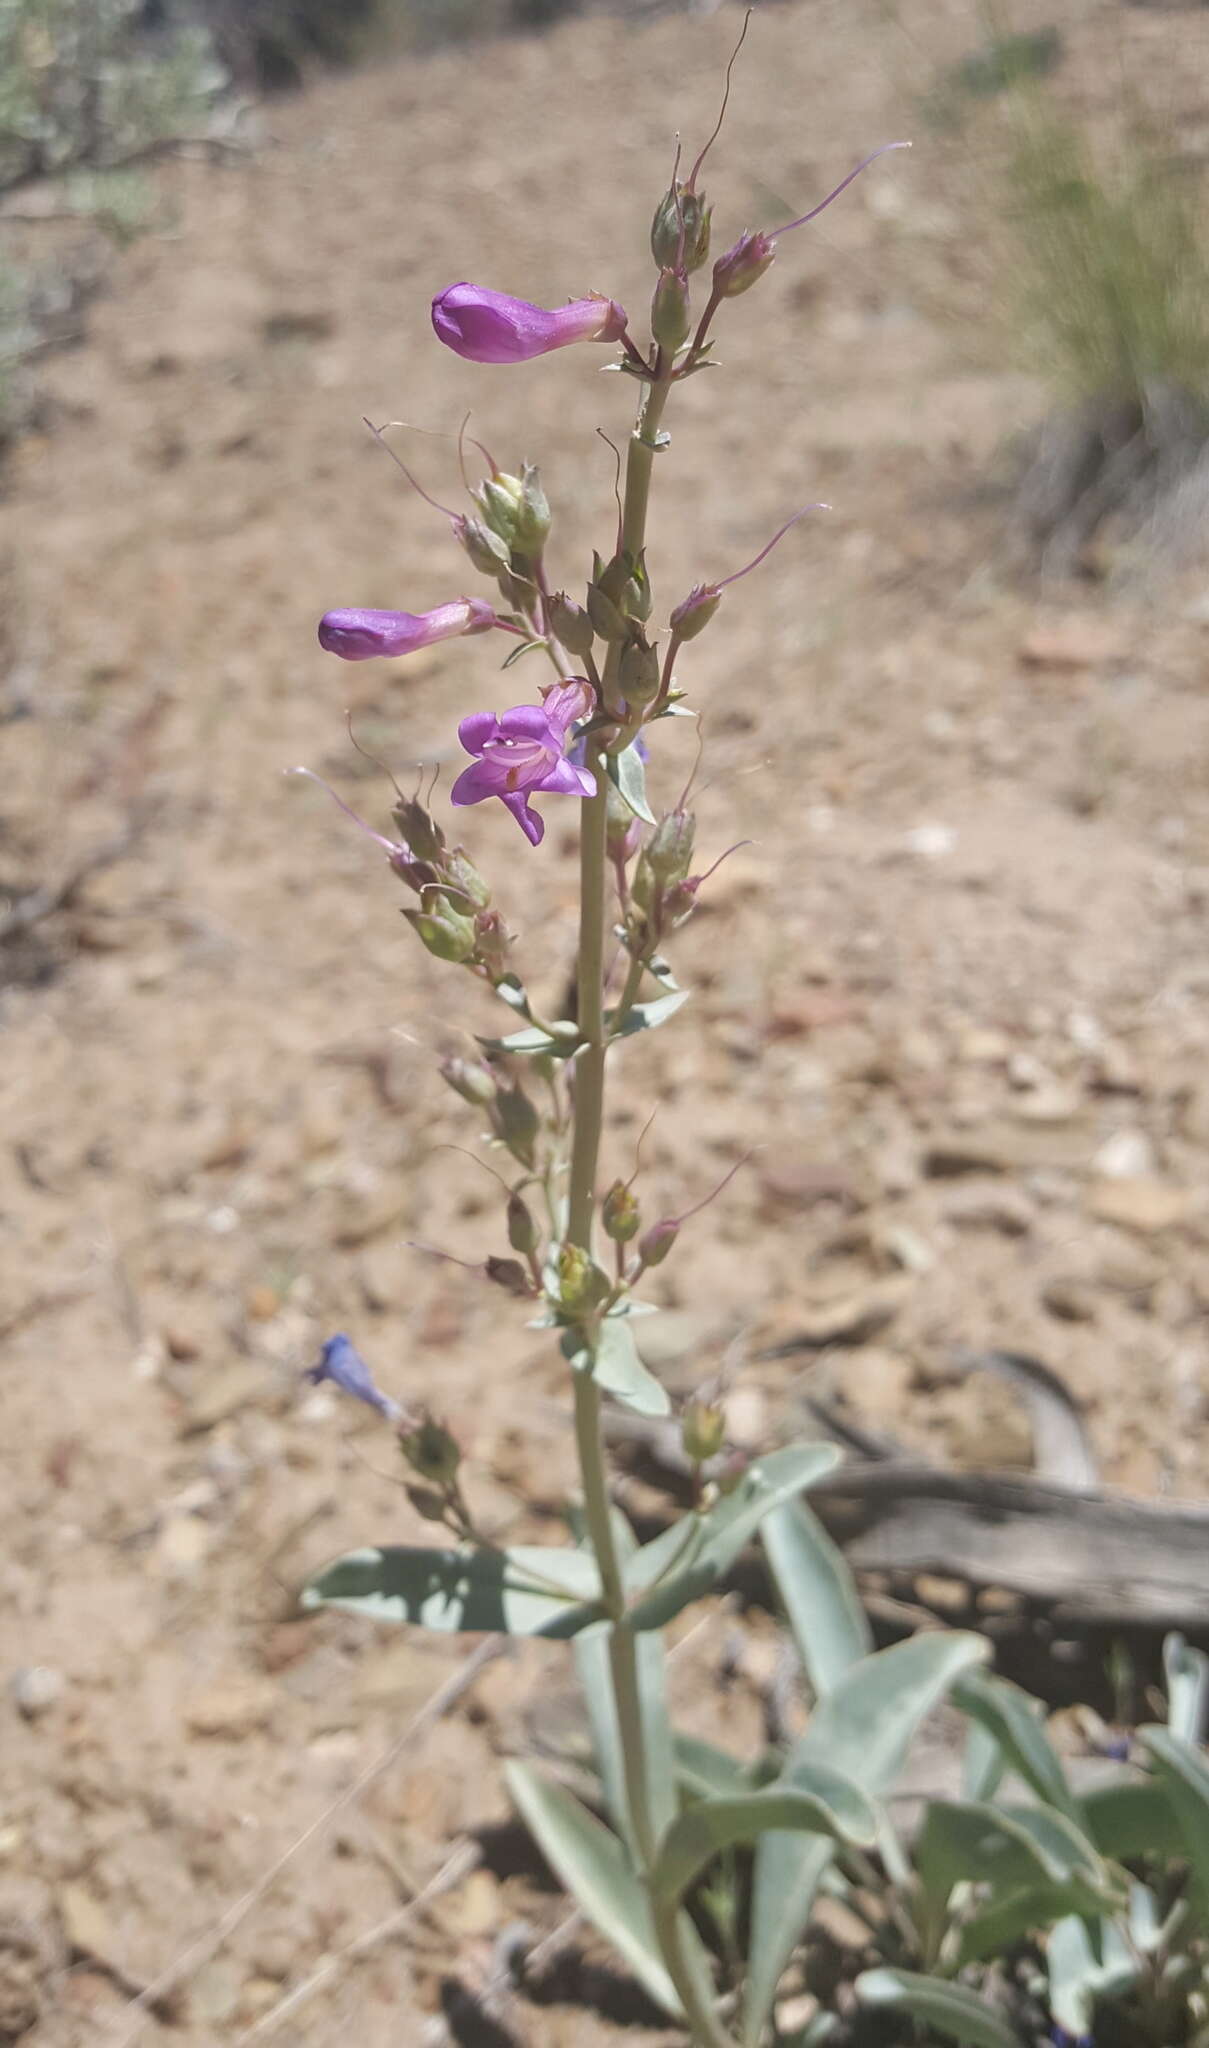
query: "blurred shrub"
88, 82
1110, 277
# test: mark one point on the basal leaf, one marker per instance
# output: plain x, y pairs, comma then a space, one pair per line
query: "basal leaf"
819, 1594
835, 1807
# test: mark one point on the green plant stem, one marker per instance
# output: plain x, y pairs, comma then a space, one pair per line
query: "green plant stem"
684, 1967
629, 994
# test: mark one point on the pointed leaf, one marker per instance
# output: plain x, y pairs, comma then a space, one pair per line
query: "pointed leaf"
711, 1542
592, 1656
835, 1808
617, 1368
1187, 1673
1130, 1820
594, 1867
706, 1772
627, 773
1081, 1970
646, 1016
863, 1726
560, 1044
1009, 1849
524, 1592
1185, 1773
821, 1602
1014, 1720
953, 2010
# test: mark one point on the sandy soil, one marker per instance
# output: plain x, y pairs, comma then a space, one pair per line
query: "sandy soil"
970, 927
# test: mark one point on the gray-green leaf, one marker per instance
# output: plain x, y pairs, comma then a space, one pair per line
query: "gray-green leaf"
696, 1552
627, 773
646, 1016
863, 1726
954, 2011
819, 1593
1185, 1774
617, 1368
527, 1591
835, 1807
594, 1867
1014, 1720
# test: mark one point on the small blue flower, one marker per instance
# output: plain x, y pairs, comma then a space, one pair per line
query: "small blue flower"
342, 1363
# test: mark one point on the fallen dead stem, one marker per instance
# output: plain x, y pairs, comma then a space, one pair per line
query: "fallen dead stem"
191, 1959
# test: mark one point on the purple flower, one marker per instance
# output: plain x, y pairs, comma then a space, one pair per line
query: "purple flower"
489, 327
518, 753
342, 1363
357, 635
569, 703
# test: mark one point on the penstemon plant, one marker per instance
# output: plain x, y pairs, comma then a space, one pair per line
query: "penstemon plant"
676, 1807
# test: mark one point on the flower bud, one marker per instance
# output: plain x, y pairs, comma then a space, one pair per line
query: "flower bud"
744, 265
516, 509
444, 931
680, 229
703, 1431
582, 1285
492, 943
671, 318
422, 833
469, 1080
619, 1214
623, 833
490, 555
357, 634
431, 1451
693, 614
603, 614
463, 878
638, 671
522, 1230
508, 1274
657, 1242
678, 903
670, 847
733, 1473
570, 623
516, 1123
428, 1504
418, 874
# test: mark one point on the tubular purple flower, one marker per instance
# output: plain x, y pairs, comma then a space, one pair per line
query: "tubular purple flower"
569, 703
517, 754
489, 327
342, 1363
357, 635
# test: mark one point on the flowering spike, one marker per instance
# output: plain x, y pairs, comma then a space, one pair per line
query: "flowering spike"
358, 635
490, 327
342, 1363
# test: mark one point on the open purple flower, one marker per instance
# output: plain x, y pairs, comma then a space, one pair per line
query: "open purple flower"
342, 1363
518, 753
489, 327
357, 635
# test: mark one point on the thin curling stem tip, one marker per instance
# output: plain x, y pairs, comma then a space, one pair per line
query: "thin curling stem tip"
884, 150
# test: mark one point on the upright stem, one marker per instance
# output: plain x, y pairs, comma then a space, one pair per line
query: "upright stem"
690, 1979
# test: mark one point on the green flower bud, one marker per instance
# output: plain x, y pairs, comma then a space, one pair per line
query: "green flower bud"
603, 615
702, 1431
515, 508
432, 1452
620, 1214
671, 318
490, 555
670, 847
492, 943
508, 1274
571, 624
516, 1123
446, 934
522, 1230
680, 229
582, 1285
469, 1080
639, 671
422, 833
465, 880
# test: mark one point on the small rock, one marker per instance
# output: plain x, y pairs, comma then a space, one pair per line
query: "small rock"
988, 1207
262, 1304
477, 1908
86, 1928
1072, 1300
1140, 1202
791, 1180
1127, 1155
855, 1317
35, 1690
1070, 644
365, 1217
930, 841
1049, 1105
232, 1709
223, 1393
946, 1596
1129, 1269
1114, 1071
979, 1047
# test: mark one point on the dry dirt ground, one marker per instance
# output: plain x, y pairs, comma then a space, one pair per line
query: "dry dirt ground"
969, 928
